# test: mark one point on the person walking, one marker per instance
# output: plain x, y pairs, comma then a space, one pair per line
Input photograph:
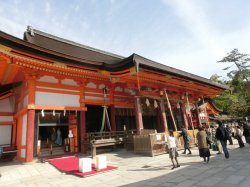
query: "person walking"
238, 136
229, 130
202, 144
216, 142
186, 140
173, 154
246, 132
209, 137
222, 135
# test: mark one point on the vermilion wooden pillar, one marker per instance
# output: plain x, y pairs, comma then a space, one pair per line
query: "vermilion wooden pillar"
198, 114
163, 116
14, 129
83, 131
30, 119
30, 135
183, 115
113, 125
138, 114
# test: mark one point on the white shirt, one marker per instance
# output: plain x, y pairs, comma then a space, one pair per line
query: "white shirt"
171, 142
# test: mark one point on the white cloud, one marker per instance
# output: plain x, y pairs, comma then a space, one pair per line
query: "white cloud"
11, 27
47, 8
208, 44
194, 18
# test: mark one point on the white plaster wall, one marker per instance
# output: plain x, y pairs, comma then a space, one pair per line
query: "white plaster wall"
24, 129
91, 85
6, 105
23, 153
6, 118
25, 101
5, 134
101, 86
69, 82
44, 98
18, 106
49, 79
118, 89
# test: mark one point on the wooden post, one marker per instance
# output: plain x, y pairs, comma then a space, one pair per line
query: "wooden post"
169, 105
82, 116
30, 118
163, 116
191, 117
184, 115
30, 135
83, 131
138, 114
198, 114
206, 114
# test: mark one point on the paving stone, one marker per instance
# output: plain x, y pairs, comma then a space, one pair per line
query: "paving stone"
234, 179
212, 181
132, 172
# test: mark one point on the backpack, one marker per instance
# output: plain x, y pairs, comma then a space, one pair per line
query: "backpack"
222, 134
226, 134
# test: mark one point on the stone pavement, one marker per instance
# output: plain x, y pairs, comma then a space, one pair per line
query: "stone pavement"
136, 170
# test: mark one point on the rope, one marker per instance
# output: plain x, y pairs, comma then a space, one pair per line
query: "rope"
107, 118
103, 119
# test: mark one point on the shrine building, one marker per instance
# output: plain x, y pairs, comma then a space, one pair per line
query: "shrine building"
49, 83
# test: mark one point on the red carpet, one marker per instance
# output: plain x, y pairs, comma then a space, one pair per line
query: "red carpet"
70, 164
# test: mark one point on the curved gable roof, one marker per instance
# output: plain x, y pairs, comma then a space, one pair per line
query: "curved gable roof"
69, 48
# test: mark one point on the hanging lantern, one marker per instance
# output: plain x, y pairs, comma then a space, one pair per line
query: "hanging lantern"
147, 102
155, 104
178, 105
105, 91
42, 112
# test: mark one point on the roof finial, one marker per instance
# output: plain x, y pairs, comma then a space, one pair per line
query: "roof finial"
30, 30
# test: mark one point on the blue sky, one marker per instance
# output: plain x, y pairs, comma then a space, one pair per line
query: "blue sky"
191, 35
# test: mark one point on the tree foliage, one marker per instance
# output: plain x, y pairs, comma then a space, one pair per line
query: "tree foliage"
234, 101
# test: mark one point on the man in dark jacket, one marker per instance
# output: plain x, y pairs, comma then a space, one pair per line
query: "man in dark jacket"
222, 135
186, 139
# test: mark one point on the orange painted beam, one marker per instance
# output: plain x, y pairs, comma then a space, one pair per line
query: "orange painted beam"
56, 85
6, 113
56, 91
46, 107
3, 69
6, 122
6, 96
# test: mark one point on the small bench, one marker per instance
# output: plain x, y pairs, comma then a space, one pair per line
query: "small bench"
7, 153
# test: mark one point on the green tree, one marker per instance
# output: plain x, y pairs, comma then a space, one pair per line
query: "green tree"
234, 101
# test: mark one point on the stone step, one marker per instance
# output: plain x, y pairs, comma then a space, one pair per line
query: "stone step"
55, 151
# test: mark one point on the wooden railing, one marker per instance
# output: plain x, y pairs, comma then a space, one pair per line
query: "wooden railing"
102, 139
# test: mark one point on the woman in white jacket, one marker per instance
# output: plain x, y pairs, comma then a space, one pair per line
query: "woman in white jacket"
173, 154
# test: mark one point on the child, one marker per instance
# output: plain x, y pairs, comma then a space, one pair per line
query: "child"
173, 154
